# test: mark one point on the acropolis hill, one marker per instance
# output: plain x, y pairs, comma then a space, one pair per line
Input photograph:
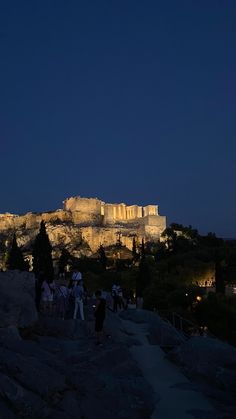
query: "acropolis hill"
84, 224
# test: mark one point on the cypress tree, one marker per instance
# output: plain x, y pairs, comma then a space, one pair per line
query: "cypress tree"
42, 254
134, 250
14, 258
143, 277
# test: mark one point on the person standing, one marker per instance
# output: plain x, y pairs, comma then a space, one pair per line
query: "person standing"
48, 288
38, 289
61, 299
99, 314
120, 297
78, 294
76, 276
114, 294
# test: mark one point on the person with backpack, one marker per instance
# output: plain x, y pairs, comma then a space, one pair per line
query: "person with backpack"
78, 294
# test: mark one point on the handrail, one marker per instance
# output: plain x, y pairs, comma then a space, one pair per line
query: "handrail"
180, 323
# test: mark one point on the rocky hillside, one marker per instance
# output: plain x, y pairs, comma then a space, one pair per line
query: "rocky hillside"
50, 368
83, 225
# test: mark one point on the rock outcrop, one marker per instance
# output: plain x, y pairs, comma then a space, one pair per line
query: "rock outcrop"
17, 306
210, 363
59, 372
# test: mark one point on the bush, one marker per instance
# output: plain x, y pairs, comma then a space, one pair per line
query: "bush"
219, 314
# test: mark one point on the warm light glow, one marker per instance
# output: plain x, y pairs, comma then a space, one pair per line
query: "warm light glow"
199, 298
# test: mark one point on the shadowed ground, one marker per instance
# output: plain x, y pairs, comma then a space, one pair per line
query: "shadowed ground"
53, 369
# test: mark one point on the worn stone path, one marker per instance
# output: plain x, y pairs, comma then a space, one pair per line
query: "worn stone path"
174, 397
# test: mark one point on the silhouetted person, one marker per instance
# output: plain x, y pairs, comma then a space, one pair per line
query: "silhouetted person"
99, 314
114, 294
38, 289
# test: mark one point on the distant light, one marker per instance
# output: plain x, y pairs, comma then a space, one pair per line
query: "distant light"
199, 298
186, 294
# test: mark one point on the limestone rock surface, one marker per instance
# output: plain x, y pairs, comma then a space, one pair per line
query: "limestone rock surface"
17, 306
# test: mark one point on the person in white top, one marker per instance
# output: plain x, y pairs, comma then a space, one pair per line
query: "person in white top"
78, 294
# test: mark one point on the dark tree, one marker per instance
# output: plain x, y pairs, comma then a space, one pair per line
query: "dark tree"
15, 259
170, 237
143, 277
102, 257
42, 254
134, 250
219, 274
142, 251
160, 251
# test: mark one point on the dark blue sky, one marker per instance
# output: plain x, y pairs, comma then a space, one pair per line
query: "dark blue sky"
128, 101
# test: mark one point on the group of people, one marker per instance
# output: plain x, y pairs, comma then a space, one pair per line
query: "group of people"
65, 300
120, 297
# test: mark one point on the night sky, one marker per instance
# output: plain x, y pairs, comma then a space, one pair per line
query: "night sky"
128, 101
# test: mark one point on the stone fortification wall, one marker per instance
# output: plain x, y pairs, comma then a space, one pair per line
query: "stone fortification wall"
154, 220
82, 218
86, 205
154, 225
32, 220
108, 236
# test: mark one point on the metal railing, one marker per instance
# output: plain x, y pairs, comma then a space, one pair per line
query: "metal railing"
184, 326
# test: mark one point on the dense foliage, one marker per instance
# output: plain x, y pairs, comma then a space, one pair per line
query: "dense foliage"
14, 257
174, 275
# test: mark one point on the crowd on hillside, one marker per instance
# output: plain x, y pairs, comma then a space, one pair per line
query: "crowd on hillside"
66, 299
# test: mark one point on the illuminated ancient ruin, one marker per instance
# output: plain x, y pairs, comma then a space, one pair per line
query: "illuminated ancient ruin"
88, 220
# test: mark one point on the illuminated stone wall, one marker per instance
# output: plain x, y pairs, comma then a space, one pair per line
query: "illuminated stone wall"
86, 205
93, 220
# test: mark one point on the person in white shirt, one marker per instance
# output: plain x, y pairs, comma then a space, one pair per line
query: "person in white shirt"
48, 288
78, 293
